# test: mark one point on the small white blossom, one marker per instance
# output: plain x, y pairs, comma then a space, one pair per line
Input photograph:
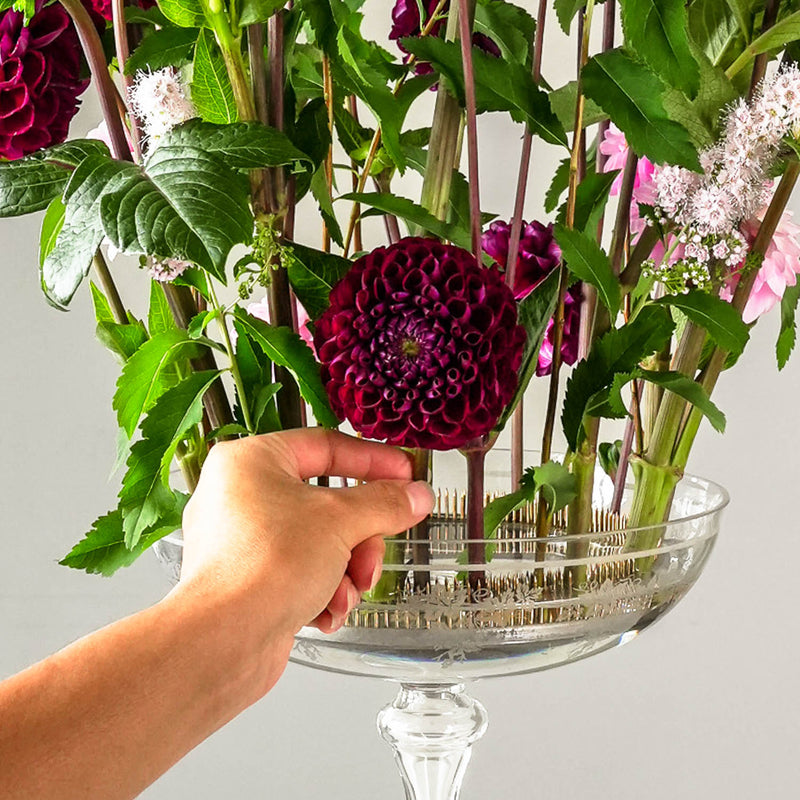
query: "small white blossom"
159, 99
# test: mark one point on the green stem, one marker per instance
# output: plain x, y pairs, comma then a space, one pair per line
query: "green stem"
110, 288
476, 549
420, 547
582, 466
235, 371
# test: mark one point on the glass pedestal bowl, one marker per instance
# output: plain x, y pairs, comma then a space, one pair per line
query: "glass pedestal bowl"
437, 623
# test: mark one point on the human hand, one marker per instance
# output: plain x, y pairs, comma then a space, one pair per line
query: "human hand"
304, 553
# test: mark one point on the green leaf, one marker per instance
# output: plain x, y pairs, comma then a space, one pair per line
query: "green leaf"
510, 27
169, 47
608, 454
788, 333
52, 224
145, 496
313, 274
255, 11
186, 204
212, 93
656, 30
199, 322
591, 199
558, 185
499, 86
566, 11
534, 312
720, 319
563, 101
102, 308
122, 340
632, 96
68, 262
694, 393
240, 145
30, 184
587, 261
413, 214
184, 13
159, 315
145, 16
255, 369
102, 551
321, 193
145, 377
779, 35
618, 351
715, 31
286, 349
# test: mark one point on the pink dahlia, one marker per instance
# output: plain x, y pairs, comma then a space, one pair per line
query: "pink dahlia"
779, 269
539, 255
615, 148
420, 345
406, 22
40, 79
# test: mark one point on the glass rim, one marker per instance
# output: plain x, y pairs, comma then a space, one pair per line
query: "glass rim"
710, 486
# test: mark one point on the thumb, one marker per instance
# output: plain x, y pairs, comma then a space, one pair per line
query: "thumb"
382, 507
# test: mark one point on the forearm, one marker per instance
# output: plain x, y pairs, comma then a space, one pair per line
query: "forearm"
109, 714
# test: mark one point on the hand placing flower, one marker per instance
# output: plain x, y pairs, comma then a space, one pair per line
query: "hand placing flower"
420, 345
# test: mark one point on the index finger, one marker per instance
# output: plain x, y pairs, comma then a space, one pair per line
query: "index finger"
316, 451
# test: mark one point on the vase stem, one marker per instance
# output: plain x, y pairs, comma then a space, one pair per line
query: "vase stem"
431, 728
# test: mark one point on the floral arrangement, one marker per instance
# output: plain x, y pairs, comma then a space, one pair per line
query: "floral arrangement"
669, 236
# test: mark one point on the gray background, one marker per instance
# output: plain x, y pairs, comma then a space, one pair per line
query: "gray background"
706, 705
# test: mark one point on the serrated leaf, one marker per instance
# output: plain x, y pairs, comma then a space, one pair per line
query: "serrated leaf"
145, 378
715, 31
145, 495
587, 261
721, 320
184, 13
656, 30
145, 16
689, 390
200, 321
413, 214
499, 86
286, 349
632, 96
566, 10
240, 145
534, 312
169, 47
256, 11
321, 193
510, 27
185, 204
121, 339
102, 551
788, 332
779, 35
31, 183
558, 185
102, 308
159, 315
212, 93
563, 101
618, 351
313, 274
591, 198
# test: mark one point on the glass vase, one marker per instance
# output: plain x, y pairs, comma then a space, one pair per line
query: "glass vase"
537, 603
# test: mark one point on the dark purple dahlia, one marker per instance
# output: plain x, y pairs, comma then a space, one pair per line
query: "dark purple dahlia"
420, 345
539, 255
40, 79
103, 7
406, 22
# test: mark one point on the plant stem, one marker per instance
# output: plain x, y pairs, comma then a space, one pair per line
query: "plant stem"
358, 242
93, 50
235, 371
476, 548
123, 52
110, 289
622, 468
327, 84
465, 34
420, 548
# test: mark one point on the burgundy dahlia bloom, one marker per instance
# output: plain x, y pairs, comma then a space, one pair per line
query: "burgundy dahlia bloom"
103, 7
420, 345
539, 255
406, 22
40, 79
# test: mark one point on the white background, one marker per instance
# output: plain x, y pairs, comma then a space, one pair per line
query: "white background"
705, 705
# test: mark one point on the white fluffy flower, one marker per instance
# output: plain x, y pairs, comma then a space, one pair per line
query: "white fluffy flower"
159, 99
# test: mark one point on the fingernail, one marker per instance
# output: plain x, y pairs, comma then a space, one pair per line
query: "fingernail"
422, 498
376, 575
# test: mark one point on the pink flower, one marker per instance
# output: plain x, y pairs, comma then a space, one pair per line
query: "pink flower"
615, 148
778, 270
